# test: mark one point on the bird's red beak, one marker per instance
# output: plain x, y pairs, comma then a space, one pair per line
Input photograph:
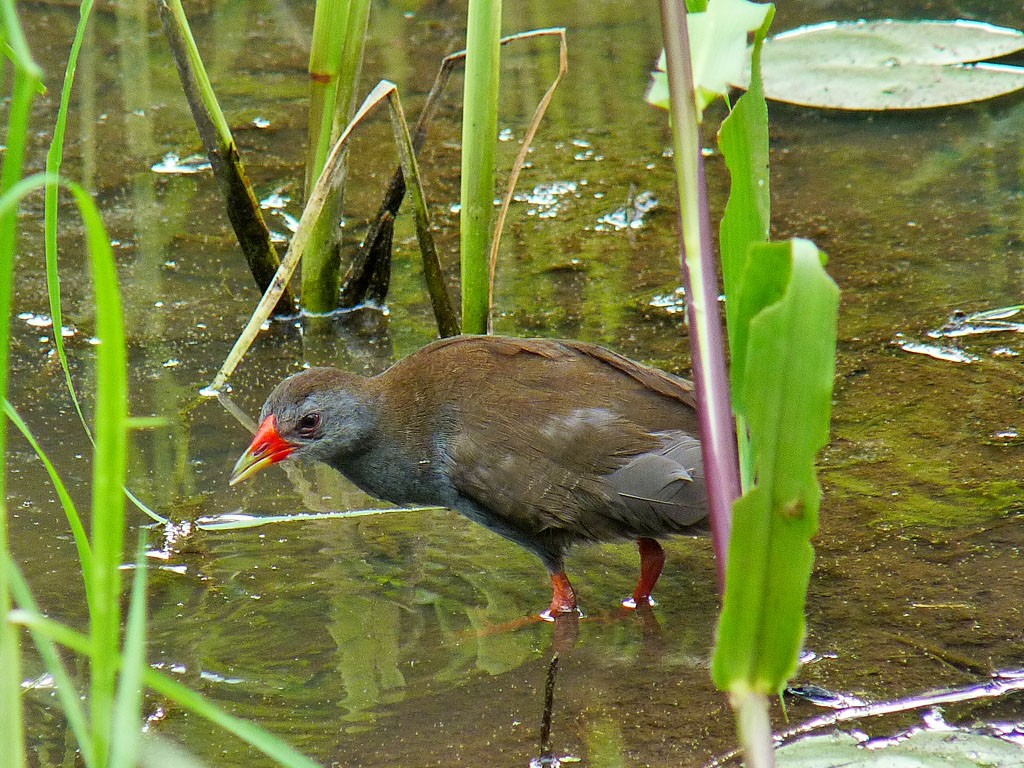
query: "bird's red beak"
268, 447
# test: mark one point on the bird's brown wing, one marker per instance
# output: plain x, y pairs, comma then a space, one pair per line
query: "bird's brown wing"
555, 477
575, 438
652, 379
488, 351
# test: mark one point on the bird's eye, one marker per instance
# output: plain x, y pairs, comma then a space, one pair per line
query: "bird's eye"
308, 424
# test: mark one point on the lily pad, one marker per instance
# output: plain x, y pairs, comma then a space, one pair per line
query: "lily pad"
890, 64
924, 749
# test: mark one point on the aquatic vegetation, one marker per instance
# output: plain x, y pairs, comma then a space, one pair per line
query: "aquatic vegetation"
479, 141
105, 728
243, 210
781, 309
890, 64
911, 500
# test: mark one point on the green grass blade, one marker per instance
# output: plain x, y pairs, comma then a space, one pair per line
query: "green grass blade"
54, 160
26, 81
109, 471
70, 511
67, 693
479, 139
52, 630
248, 732
181, 694
127, 720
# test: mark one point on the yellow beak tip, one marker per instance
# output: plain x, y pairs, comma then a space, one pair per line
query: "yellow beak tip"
246, 467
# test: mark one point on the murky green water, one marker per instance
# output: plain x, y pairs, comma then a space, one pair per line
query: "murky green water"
390, 640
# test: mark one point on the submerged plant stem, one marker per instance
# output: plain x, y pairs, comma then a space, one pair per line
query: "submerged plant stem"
754, 729
384, 91
242, 207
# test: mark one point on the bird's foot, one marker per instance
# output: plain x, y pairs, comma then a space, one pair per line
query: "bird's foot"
563, 597
636, 600
554, 613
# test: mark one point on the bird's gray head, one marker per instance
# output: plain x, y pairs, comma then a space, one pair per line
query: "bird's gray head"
320, 414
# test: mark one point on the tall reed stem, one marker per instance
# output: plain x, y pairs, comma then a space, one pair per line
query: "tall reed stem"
336, 58
479, 136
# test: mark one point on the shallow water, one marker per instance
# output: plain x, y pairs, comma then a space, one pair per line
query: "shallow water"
398, 639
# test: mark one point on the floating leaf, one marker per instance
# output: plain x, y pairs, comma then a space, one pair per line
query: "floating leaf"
987, 321
950, 354
889, 64
923, 749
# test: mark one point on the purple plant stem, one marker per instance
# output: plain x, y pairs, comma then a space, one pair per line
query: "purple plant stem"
717, 427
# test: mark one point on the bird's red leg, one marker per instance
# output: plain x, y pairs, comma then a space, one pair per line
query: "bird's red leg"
652, 560
563, 597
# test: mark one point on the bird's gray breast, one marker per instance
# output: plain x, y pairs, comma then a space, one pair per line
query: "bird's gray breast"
401, 477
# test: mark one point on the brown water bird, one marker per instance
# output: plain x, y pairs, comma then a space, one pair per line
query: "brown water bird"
547, 443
